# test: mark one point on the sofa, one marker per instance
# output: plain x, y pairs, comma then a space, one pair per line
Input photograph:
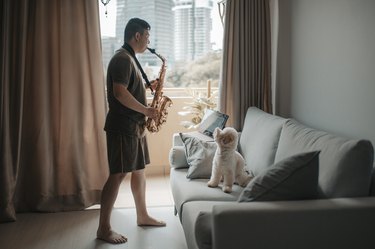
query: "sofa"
337, 210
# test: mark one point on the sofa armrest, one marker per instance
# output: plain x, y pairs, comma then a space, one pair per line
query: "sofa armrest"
176, 140
177, 157
343, 223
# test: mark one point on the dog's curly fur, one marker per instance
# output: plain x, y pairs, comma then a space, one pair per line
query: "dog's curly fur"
227, 163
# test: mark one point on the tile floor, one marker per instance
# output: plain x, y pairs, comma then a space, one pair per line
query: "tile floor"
77, 230
158, 193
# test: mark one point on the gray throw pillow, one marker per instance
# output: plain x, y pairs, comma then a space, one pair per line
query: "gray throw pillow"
199, 156
294, 178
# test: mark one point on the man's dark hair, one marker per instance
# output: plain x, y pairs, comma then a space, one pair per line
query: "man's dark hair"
133, 26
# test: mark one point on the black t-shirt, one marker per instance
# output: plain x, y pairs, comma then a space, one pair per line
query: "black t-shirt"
122, 69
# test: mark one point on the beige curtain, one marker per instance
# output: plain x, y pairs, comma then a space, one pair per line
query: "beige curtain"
52, 144
246, 68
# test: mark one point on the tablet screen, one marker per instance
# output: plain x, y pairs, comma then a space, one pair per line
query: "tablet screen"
211, 120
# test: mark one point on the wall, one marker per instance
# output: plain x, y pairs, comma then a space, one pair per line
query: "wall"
326, 65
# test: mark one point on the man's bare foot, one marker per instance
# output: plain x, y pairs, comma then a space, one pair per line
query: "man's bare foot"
149, 221
111, 237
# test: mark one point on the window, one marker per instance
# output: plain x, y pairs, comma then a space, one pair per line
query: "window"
188, 33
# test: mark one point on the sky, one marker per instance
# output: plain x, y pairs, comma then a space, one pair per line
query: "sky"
108, 23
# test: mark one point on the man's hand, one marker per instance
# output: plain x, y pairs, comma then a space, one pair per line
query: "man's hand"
151, 112
154, 84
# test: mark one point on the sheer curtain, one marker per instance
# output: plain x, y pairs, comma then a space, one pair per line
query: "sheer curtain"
246, 68
52, 144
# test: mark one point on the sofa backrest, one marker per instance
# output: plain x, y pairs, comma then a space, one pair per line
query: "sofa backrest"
345, 165
259, 139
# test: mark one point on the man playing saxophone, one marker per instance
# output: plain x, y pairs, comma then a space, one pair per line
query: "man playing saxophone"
125, 129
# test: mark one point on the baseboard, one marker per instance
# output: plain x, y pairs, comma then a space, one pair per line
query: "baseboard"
157, 170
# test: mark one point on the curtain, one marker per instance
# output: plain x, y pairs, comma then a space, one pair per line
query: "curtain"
52, 144
246, 68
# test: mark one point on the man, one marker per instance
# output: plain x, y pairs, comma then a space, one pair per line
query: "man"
125, 127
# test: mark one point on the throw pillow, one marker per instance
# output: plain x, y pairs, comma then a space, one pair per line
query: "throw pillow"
294, 178
199, 156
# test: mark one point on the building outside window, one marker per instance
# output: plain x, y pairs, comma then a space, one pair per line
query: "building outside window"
188, 33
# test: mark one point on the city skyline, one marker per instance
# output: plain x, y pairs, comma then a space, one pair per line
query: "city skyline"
108, 23
180, 32
193, 25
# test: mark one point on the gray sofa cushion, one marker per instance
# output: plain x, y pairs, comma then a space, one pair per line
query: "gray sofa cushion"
199, 156
344, 164
186, 190
294, 178
259, 139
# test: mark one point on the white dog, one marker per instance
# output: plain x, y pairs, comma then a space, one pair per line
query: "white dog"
227, 163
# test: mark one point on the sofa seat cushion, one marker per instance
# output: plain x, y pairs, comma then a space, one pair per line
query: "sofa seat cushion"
344, 164
185, 190
259, 139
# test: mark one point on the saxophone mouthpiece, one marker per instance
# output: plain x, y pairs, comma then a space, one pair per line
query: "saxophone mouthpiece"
152, 50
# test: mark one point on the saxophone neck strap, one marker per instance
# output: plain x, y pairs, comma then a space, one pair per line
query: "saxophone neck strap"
127, 47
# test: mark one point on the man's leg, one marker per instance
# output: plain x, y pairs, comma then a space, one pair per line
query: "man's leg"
138, 186
108, 198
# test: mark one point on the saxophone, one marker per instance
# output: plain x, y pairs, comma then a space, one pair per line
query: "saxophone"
159, 102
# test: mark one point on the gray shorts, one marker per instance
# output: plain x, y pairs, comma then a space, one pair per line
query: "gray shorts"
126, 153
